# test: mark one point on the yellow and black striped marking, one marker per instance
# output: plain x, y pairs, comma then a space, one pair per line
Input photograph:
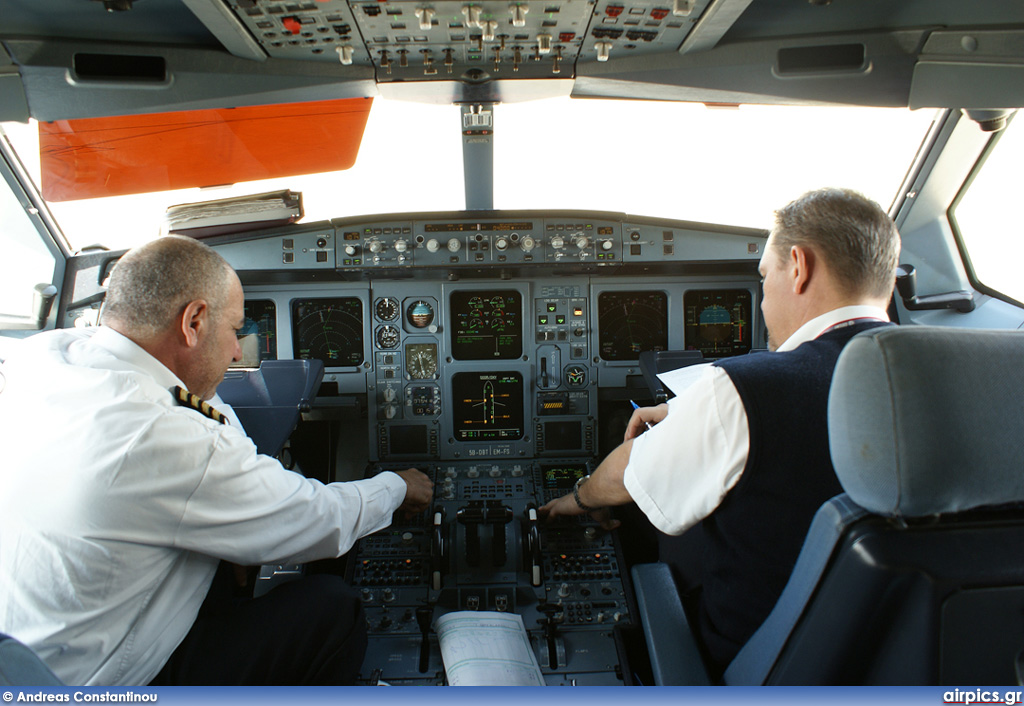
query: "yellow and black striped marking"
186, 398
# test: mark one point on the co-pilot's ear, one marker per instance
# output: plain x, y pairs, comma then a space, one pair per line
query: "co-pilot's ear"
803, 263
193, 321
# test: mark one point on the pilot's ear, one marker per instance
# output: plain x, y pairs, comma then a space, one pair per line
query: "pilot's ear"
194, 320
802, 263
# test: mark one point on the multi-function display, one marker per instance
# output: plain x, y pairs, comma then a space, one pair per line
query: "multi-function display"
487, 406
718, 321
258, 336
630, 323
486, 324
330, 330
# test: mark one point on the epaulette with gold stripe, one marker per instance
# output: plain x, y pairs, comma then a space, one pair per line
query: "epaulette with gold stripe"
186, 398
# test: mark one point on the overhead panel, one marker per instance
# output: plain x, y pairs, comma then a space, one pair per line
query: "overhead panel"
469, 41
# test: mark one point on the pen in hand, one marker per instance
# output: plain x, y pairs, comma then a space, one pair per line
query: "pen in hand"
636, 406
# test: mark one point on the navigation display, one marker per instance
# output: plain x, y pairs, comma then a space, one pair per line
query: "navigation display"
630, 323
330, 330
718, 321
487, 406
487, 324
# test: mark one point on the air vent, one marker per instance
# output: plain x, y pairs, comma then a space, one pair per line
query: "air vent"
120, 67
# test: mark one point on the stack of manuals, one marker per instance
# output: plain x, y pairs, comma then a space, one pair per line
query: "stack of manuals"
268, 210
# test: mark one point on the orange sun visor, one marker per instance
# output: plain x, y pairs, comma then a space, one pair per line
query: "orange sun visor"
94, 157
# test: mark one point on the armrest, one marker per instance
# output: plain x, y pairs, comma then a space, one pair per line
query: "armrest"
671, 644
19, 666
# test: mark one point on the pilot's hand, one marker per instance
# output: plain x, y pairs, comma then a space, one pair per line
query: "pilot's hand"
642, 417
566, 506
419, 491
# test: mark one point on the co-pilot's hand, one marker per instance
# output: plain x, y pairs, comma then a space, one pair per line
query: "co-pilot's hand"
566, 506
419, 491
642, 416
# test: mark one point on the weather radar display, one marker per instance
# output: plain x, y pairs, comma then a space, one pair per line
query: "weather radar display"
718, 321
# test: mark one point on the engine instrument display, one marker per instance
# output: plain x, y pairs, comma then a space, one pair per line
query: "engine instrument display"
718, 321
258, 335
486, 324
487, 406
631, 322
421, 361
330, 330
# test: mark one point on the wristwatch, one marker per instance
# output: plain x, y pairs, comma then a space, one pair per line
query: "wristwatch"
576, 495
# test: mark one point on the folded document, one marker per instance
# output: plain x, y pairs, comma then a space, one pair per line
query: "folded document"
481, 648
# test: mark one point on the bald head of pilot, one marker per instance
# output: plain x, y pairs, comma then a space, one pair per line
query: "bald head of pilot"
183, 304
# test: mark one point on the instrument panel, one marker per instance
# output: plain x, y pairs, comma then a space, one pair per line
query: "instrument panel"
459, 356
486, 369
491, 352
490, 362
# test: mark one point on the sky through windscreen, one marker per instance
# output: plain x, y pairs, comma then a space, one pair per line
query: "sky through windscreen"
673, 160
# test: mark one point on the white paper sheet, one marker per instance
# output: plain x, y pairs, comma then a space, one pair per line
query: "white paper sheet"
481, 648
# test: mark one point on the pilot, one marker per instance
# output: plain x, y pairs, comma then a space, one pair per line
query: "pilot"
742, 450
123, 490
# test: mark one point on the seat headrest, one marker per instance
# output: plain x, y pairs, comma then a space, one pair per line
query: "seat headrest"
924, 420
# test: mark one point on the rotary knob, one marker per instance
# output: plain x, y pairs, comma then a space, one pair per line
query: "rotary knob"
527, 243
401, 245
433, 245
454, 245
351, 249
557, 242
376, 246
501, 244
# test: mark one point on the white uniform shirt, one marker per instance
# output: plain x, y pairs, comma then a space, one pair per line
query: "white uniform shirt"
116, 505
679, 472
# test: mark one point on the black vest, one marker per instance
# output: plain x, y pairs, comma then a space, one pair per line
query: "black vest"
752, 540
